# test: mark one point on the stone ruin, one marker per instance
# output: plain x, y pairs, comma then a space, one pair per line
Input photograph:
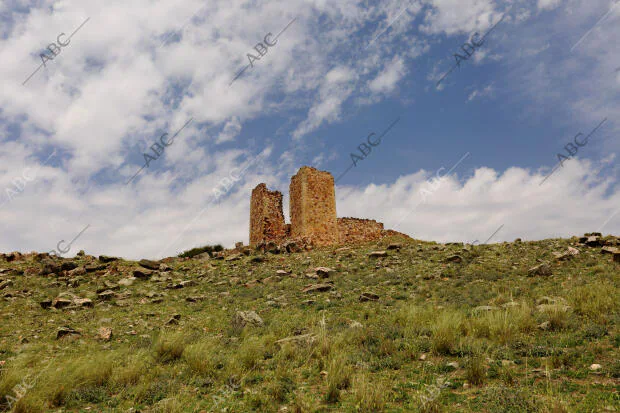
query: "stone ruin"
312, 212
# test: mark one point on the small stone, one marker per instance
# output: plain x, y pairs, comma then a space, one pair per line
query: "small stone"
466, 385
593, 241
61, 302
244, 318
187, 283
195, 299
355, 324
5, 284
542, 270
174, 319
282, 272
396, 247
234, 257
142, 274
610, 250
595, 367
76, 272
104, 333
324, 272
149, 264
66, 331
422, 357
368, 297
378, 254
106, 259
106, 295
544, 326
454, 258
453, 364
83, 302
485, 308
317, 288
126, 282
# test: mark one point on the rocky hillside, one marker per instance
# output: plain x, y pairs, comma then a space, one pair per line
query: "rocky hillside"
401, 325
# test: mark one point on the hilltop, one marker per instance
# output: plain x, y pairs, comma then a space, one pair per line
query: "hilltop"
398, 325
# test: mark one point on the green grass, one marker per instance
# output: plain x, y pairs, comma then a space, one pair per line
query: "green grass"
426, 345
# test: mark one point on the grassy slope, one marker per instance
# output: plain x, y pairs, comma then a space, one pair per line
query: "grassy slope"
388, 355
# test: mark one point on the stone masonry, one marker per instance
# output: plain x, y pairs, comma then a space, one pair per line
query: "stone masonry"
313, 207
312, 212
266, 216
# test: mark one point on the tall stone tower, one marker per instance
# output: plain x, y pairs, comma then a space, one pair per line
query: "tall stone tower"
266, 216
313, 206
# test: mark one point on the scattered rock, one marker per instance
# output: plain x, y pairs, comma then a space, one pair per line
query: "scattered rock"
378, 254
68, 266
5, 284
292, 247
485, 308
142, 274
422, 357
396, 247
234, 257
66, 331
104, 333
355, 324
595, 367
610, 250
94, 268
106, 295
61, 302
368, 297
542, 270
174, 319
317, 288
195, 299
454, 258
126, 282
593, 241
83, 302
544, 326
244, 318
149, 264
324, 272
106, 259
76, 272
453, 364
282, 272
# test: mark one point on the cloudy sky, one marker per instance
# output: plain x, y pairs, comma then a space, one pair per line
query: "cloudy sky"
206, 99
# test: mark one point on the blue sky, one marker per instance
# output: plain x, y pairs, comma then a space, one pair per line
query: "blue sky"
341, 71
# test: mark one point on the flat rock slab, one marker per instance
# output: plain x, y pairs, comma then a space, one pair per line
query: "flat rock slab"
378, 254
149, 264
369, 297
318, 288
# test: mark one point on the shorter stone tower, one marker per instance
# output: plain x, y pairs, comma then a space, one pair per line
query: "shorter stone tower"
266, 216
313, 207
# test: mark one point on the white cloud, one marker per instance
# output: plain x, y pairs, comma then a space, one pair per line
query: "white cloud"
386, 81
548, 4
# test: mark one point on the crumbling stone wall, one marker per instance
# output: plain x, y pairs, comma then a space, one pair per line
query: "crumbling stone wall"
266, 216
313, 207
356, 230
313, 215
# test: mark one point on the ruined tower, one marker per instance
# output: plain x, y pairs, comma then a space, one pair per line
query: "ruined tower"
313, 206
266, 216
